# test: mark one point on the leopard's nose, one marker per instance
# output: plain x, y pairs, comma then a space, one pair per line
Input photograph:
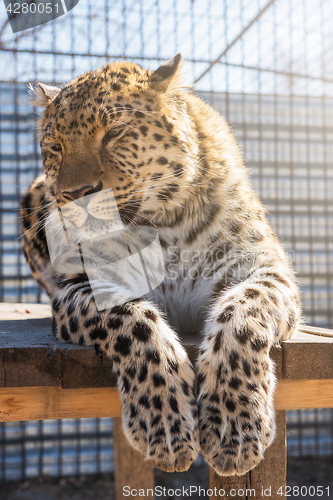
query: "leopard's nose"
81, 192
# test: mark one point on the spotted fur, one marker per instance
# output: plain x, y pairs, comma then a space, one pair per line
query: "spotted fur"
173, 164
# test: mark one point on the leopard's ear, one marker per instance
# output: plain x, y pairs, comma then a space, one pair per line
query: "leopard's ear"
168, 72
43, 94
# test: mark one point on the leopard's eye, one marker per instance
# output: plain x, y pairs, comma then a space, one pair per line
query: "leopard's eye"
57, 148
115, 132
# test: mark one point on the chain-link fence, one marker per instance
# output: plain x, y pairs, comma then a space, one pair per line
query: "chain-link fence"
265, 65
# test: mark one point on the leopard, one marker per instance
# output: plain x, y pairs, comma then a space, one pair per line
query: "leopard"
173, 164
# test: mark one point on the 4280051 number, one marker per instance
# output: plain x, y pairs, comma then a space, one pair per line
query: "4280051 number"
303, 491
32, 8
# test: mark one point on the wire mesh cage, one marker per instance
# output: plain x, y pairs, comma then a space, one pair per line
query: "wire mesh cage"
68, 447
265, 65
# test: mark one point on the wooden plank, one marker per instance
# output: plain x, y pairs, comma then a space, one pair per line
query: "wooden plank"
39, 403
36, 403
301, 394
27, 342
86, 371
27, 367
131, 470
30, 355
308, 356
29, 326
265, 479
321, 332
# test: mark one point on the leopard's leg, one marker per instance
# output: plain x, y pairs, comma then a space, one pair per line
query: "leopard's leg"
235, 377
34, 210
155, 376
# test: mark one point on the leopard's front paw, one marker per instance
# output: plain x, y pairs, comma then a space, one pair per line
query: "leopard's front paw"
236, 418
160, 415
156, 385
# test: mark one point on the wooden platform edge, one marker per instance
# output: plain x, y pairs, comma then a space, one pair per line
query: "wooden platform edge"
39, 403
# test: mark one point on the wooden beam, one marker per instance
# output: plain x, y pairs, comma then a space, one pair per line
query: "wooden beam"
301, 394
308, 355
130, 467
30, 356
37, 403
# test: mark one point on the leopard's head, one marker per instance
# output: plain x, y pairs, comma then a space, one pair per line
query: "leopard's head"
121, 127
